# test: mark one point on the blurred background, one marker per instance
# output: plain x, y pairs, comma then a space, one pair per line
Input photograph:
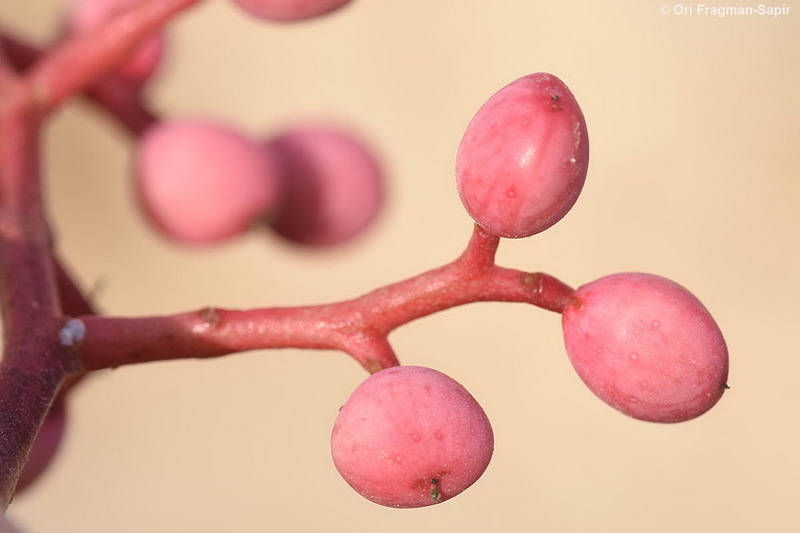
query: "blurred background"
693, 121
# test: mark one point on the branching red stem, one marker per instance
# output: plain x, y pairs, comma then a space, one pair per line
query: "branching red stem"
35, 364
119, 97
359, 327
75, 64
37, 295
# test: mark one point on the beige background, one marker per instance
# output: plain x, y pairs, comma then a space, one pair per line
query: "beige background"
693, 122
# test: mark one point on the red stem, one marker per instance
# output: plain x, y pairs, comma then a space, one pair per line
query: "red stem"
34, 365
359, 327
35, 362
119, 97
75, 64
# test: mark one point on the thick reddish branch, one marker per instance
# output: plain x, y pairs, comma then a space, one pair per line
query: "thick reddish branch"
119, 97
75, 64
359, 327
35, 362
42, 355
34, 366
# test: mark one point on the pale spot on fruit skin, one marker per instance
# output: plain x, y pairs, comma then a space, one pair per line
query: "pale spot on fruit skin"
526, 156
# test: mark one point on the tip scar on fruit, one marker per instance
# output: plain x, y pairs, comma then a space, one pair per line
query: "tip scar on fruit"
436, 496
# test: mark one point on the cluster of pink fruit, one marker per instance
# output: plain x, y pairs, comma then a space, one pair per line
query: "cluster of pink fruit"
201, 181
412, 436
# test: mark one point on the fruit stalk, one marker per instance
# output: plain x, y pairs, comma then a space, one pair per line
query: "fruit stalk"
359, 327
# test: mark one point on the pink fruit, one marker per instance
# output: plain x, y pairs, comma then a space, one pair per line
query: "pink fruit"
523, 158
646, 346
144, 60
289, 10
203, 182
410, 437
332, 185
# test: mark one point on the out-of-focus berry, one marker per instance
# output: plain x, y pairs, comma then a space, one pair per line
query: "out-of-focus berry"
289, 10
203, 182
331, 183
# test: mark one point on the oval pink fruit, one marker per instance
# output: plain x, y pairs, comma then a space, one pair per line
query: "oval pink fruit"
410, 437
522, 161
646, 346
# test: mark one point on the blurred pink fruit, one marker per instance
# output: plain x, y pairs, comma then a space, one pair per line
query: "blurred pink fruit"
289, 10
332, 185
203, 182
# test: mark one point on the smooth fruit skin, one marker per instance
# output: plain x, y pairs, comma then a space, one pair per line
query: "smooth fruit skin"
411, 437
646, 346
202, 182
332, 185
523, 159
289, 10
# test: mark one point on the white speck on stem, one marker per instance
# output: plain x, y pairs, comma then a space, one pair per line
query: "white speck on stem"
73, 331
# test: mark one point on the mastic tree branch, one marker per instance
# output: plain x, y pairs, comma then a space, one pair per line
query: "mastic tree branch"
121, 100
35, 364
359, 327
519, 169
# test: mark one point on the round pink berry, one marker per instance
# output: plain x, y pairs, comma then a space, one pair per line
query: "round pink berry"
203, 182
332, 185
646, 346
410, 437
523, 158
